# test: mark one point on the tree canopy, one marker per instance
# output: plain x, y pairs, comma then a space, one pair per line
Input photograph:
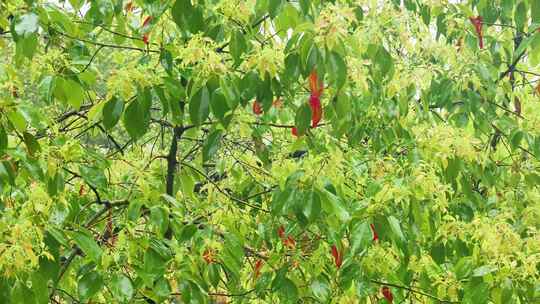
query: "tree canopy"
270, 151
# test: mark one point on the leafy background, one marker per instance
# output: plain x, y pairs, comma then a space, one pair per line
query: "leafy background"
147, 151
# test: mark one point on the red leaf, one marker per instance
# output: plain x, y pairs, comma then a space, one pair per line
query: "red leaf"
110, 231
14, 91
315, 84
129, 7
145, 38
289, 242
375, 235
281, 231
316, 110
208, 256
258, 266
294, 131
338, 258
387, 293
477, 22
517, 106
257, 109
277, 103
147, 21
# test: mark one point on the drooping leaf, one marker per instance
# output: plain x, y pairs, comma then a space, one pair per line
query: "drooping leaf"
199, 106
90, 284
211, 145
87, 244
112, 111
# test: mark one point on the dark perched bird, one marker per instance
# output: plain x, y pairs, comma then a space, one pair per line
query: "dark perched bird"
298, 154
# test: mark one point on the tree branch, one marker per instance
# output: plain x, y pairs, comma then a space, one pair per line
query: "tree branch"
113, 46
413, 291
172, 161
240, 201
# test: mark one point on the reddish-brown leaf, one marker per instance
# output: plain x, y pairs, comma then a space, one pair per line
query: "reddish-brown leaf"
375, 235
257, 108
477, 23
338, 258
387, 293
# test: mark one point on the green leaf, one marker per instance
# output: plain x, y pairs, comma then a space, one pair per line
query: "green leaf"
134, 119
20, 293
31, 143
483, 270
287, 19
237, 46
312, 206
90, 284
383, 64
337, 69
199, 106
229, 88
162, 288
292, 67
220, 107
154, 264
303, 119
264, 93
305, 5
320, 288
426, 14
213, 274
396, 228
134, 210
187, 17
233, 254
137, 115
74, 93
211, 145
96, 112
171, 200
273, 7
159, 217
27, 46
112, 111
58, 235
332, 205
27, 25
122, 288
93, 176
463, 268
17, 119
361, 237
288, 291
46, 88
520, 15
3, 140
88, 245
40, 288
186, 233
535, 11
476, 292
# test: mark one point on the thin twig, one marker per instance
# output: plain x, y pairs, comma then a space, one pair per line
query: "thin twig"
114, 46
413, 291
222, 191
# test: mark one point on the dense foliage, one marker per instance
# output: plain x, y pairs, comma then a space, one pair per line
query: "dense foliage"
269, 151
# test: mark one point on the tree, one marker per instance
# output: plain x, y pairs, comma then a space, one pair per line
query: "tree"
227, 151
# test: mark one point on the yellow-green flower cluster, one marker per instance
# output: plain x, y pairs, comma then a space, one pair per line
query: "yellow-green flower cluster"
268, 59
332, 24
200, 54
237, 10
22, 236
